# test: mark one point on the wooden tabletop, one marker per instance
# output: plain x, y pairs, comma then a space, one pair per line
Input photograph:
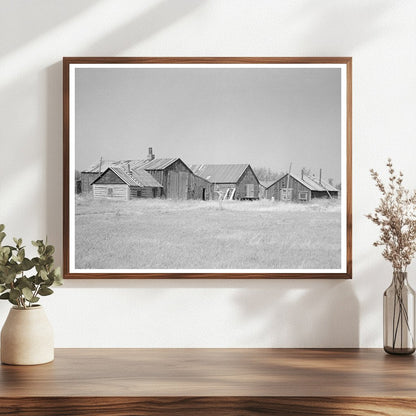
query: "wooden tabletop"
218, 376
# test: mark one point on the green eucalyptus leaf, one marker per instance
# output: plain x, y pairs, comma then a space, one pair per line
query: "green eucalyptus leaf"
15, 294
26, 264
45, 291
9, 277
43, 275
58, 276
21, 255
49, 250
2, 227
24, 282
2, 236
27, 293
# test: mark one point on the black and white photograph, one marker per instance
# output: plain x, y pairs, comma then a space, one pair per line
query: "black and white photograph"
211, 168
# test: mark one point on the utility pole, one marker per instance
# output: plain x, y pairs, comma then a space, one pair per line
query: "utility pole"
287, 183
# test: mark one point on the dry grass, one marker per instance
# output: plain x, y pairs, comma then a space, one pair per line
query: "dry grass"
161, 234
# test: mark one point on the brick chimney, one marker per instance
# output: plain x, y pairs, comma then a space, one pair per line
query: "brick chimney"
150, 156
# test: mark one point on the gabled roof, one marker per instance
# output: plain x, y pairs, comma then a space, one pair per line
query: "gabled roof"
220, 173
155, 164
310, 183
267, 184
145, 178
137, 177
314, 184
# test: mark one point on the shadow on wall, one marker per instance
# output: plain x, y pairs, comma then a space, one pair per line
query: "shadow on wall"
37, 17
301, 313
155, 19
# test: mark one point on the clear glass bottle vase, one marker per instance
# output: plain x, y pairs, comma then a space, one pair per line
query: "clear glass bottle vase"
399, 316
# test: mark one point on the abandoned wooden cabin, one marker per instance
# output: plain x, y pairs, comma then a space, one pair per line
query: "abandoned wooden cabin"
232, 181
168, 178
124, 183
290, 187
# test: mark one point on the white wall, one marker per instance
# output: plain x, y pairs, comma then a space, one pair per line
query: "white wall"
380, 35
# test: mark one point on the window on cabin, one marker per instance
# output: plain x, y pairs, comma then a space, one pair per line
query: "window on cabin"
303, 196
154, 192
139, 193
109, 191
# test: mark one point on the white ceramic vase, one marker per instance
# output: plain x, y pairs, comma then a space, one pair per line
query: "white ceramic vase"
27, 337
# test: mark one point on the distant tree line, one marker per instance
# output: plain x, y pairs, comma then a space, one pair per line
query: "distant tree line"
266, 174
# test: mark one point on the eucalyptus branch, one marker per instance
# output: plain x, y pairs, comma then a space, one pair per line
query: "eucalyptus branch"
16, 284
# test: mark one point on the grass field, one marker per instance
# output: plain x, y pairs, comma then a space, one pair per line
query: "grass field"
161, 234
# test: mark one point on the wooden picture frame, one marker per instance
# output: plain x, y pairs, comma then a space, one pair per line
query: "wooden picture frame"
87, 109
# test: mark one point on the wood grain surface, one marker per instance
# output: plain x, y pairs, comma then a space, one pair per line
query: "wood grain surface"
212, 381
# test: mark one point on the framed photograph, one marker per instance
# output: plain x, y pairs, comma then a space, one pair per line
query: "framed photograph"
207, 168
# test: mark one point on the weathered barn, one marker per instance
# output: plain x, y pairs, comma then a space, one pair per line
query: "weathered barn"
174, 178
124, 183
291, 187
177, 179
236, 181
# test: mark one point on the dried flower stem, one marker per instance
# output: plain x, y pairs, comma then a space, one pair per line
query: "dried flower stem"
396, 217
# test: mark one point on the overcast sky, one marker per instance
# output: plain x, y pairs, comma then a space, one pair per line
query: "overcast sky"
265, 117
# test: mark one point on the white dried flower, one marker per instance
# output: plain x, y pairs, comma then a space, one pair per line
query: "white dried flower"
396, 217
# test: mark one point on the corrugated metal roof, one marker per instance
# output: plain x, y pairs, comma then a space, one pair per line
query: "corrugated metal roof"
155, 164
314, 185
134, 177
329, 187
145, 178
220, 173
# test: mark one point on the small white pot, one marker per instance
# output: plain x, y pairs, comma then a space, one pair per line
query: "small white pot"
27, 337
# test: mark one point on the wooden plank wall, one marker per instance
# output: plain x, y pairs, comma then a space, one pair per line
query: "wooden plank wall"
145, 192
274, 190
247, 178
86, 179
120, 192
196, 187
